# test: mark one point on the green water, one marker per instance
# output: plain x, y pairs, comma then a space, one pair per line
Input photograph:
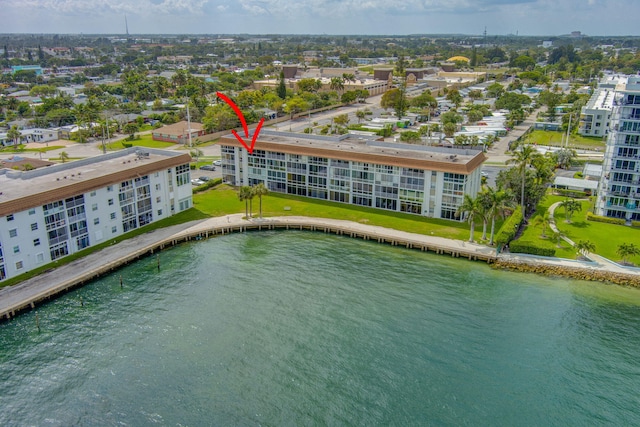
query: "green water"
300, 328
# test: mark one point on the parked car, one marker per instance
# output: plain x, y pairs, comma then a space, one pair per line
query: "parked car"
204, 178
197, 181
207, 168
217, 163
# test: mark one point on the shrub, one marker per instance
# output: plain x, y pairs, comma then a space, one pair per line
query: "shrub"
509, 228
207, 185
530, 248
127, 144
635, 223
605, 219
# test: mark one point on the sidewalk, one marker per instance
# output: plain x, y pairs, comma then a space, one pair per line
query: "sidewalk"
47, 285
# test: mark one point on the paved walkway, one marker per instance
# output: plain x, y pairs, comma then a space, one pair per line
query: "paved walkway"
58, 279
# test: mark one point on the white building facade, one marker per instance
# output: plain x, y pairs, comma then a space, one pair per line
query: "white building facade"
49, 213
428, 181
595, 117
619, 189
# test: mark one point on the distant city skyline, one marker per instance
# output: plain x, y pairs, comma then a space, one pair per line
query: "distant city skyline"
349, 17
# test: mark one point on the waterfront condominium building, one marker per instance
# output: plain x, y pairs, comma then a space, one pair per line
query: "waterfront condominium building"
51, 212
619, 187
429, 181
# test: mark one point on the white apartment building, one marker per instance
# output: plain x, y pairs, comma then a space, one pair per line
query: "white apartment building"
48, 213
428, 181
619, 188
595, 117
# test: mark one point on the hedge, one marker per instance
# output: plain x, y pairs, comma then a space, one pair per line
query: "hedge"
509, 228
635, 223
207, 185
605, 219
530, 248
572, 193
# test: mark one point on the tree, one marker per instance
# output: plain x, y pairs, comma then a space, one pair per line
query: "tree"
260, 190
282, 88
495, 90
341, 119
196, 154
470, 210
131, 129
626, 250
501, 202
309, 85
244, 195
64, 156
454, 96
558, 236
295, 105
14, 135
396, 99
360, 114
449, 129
584, 247
336, 83
542, 221
564, 157
522, 159
474, 116
570, 207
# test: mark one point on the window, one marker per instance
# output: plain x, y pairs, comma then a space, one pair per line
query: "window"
182, 175
158, 199
110, 202
10, 217
92, 194
36, 242
159, 212
13, 232
32, 211
114, 229
16, 249
157, 187
40, 257
19, 265
110, 188
94, 207
96, 221
113, 215
34, 226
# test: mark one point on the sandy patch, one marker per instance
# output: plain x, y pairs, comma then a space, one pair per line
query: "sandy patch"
56, 143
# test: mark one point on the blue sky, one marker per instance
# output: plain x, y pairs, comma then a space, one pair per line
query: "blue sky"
500, 17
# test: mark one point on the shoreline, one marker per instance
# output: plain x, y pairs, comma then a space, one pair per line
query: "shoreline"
28, 294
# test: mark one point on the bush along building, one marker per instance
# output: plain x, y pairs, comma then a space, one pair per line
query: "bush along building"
52, 212
428, 181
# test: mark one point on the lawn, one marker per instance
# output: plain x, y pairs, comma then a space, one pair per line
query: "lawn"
223, 200
143, 141
605, 237
554, 139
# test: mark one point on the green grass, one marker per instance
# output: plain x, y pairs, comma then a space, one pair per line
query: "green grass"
606, 237
143, 141
223, 200
554, 139
21, 149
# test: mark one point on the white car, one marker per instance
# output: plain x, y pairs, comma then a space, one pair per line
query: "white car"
217, 163
197, 181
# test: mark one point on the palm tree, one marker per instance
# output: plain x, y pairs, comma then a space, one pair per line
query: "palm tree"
542, 220
360, 114
523, 158
64, 156
14, 134
626, 250
501, 202
570, 206
470, 209
244, 195
196, 153
260, 190
485, 201
584, 247
558, 236
336, 83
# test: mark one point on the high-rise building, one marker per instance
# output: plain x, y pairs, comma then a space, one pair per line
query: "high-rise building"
619, 189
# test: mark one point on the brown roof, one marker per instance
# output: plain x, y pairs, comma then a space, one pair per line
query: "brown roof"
402, 155
19, 163
28, 190
178, 129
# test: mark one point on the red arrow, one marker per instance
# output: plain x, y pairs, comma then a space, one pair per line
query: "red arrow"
253, 140
244, 124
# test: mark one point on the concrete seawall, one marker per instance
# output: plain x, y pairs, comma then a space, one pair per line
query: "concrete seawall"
27, 294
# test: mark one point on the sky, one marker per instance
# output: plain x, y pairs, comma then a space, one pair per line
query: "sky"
374, 17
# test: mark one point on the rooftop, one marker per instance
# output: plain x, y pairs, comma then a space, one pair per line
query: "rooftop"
22, 190
361, 149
